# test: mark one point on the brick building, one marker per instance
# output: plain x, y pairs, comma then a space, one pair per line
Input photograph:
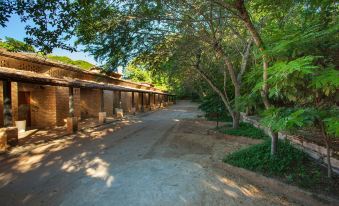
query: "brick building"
45, 93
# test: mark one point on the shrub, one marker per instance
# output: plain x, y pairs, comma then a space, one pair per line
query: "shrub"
289, 163
246, 130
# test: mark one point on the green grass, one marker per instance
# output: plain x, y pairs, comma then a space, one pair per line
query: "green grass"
289, 164
246, 130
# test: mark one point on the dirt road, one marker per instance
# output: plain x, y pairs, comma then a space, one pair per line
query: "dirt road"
161, 158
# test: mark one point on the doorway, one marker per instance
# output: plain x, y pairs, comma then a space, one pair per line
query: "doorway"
24, 107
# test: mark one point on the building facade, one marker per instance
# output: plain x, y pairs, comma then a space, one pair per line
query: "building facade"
45, 93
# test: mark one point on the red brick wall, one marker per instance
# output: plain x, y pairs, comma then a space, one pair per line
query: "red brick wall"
28, 63
1, 106
156, 99
14, 103
77, 100
43, 104
108, 102
62, 104
58, 71
116, 99
126, 99
146, 98
90, 102
139, 100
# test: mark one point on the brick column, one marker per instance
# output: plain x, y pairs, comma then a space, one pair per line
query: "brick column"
159, 100
142, 102
133, 105
8, 134
7, 101
102, 113
120, 103
71, 101
149, 101
72, 122
133, 110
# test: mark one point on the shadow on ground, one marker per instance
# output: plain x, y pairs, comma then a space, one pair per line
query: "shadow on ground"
164, 158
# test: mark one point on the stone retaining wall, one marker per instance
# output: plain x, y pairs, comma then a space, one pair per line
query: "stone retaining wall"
312, 149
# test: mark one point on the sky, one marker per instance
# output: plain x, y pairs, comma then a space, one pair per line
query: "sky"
16, 29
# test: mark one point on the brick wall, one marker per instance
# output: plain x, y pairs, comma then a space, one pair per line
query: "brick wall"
137, 102
115, 100
156, 99
108, 102
28, 63
62, 104
90, 102
1, 106
77, 100
14, 94
43, 104
126, 99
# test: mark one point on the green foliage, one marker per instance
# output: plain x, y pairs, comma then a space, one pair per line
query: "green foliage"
137, 74
282, 119
290, 164
287, 77
50, 24
297, 40
13, 45
212, 104
79, 63
289, 119
327, 81
116, 31
214, 108
245, 130
332, 125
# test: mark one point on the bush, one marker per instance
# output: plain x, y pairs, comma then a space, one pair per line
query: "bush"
246, 130
214, 109
290, 164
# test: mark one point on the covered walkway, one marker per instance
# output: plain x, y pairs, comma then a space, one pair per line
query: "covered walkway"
38, 93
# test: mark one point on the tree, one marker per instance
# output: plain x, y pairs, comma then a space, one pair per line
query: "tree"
207, 40
14, 45
314, 107
50, 24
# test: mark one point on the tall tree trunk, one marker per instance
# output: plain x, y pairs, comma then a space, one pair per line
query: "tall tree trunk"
242, 13
219, 92
234, 79
236, 120
240, 7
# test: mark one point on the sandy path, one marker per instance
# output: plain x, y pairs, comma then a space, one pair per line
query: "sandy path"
163, 158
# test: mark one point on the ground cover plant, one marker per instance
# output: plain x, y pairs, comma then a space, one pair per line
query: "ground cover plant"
245, 130
290, 165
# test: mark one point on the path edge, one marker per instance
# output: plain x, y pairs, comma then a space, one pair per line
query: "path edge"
292, 192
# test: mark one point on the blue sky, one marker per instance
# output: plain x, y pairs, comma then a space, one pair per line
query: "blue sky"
16, 29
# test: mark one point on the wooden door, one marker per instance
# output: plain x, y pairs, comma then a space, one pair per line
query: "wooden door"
24, 107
